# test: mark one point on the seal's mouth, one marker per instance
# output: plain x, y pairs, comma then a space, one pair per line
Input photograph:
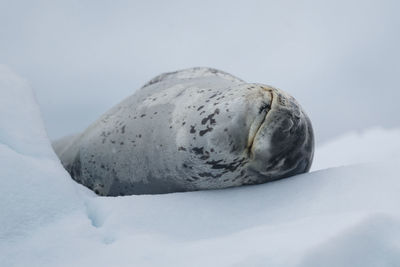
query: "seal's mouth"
258, 122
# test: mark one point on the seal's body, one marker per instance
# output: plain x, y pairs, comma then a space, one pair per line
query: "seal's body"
193, 129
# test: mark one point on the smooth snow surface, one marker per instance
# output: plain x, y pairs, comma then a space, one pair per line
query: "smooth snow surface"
374, 145
346, 216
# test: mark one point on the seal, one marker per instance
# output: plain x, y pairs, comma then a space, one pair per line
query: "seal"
193, 129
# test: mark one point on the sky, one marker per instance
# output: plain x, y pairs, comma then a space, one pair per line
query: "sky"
339, 59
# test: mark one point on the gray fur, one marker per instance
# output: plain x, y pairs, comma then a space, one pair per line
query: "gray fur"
193, 129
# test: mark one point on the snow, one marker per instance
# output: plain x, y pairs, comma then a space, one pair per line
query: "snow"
21, 125
376, 144
35, 190
341, 216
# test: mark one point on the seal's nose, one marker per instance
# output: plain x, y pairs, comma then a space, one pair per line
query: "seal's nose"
284, 144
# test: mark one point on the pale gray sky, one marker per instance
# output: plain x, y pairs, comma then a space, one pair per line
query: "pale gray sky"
340, 59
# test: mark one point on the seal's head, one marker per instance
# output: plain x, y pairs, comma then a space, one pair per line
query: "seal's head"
281, 139
269, 130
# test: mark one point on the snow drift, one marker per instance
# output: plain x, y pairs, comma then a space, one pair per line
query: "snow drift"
346, 216
34, 188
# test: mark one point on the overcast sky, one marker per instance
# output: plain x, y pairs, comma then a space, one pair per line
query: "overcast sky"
340, 59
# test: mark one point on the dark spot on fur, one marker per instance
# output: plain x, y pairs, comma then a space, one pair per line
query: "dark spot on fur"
123, 129
181, 148
200, 108
198, 150
209, 174
205, 156
203, 132
210, 118
217, 164
180, 93
264, 106
192, 129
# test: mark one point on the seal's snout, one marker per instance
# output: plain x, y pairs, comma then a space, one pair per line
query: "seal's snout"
284, 144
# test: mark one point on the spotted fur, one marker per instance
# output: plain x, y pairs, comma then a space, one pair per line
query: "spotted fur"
193, 129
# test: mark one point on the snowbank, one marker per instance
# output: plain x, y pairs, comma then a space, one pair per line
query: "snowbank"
345, 216
21, 128
34, 188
